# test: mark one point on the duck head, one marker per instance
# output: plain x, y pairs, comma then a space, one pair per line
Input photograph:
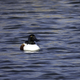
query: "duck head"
32, 39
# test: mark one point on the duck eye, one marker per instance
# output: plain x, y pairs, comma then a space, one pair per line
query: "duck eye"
30, 36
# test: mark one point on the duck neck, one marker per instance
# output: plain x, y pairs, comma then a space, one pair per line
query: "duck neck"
30, 42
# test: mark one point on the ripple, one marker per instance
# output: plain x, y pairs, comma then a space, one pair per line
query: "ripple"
5, 61
12, 27
49, 75
74, 2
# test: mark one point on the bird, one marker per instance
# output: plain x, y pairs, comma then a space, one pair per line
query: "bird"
30, 44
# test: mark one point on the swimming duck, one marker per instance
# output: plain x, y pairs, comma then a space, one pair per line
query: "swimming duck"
30, 44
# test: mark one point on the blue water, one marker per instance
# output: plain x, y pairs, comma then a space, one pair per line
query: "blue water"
56, 23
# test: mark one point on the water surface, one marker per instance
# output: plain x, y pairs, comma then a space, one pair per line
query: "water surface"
56, 23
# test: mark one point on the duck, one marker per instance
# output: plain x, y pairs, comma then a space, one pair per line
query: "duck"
30, 44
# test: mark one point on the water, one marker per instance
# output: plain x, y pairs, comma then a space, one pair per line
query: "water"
56, 23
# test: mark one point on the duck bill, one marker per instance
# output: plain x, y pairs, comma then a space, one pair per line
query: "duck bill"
36, 40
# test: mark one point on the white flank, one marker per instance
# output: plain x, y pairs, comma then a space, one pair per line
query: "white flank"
31, 47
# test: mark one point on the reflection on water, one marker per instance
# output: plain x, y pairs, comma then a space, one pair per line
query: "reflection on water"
56, 24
